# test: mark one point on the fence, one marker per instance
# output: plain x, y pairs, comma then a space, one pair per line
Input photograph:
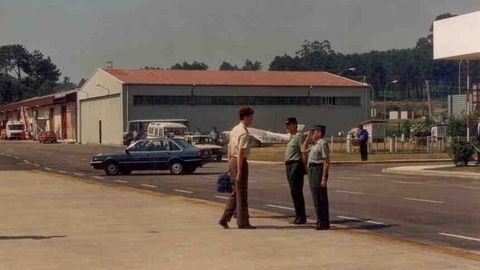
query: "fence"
395, 145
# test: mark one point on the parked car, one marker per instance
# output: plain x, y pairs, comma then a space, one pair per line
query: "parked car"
175, 155
205, 142
47, 136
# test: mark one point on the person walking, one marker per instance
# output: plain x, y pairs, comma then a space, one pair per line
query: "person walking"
238, 150
362, 136
318, 165
477, 140
295, 169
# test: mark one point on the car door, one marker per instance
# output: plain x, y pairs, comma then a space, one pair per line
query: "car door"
138, 156
160, 154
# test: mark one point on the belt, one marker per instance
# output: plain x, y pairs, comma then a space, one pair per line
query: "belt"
310, 165
288, 162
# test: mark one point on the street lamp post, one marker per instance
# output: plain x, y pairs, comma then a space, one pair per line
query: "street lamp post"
385, 99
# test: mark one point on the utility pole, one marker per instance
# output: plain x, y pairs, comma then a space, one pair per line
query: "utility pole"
427, 87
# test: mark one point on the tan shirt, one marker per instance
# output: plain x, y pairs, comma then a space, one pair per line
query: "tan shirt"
239, 139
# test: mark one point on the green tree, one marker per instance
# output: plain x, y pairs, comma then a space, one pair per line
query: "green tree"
193, 66
227, 66
252, 66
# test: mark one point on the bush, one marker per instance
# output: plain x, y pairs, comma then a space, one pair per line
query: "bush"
460, 152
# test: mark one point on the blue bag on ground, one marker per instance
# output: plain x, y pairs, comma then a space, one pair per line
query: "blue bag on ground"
224, 184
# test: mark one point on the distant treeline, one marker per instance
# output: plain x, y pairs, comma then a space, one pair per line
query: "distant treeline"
411, 68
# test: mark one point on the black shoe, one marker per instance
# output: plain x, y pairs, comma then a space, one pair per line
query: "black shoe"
322, 227
247, 227
223, 223
300, 221
295, 220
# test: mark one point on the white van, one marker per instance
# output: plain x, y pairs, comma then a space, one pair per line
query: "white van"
166, 130
15, 130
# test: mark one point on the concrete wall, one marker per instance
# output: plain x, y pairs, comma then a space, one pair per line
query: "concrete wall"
271, 117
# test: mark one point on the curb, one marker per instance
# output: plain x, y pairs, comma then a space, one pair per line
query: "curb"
358, 162
422, 171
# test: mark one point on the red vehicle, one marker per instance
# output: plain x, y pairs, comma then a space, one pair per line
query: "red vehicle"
47, 136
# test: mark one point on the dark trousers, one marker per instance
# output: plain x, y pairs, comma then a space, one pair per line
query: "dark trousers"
364, 150
319, 195
238, 199
478, 144
295, 180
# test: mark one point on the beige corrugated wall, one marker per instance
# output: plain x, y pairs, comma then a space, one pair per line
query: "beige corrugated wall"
106, 109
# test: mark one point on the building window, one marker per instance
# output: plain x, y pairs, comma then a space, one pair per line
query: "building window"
245, 100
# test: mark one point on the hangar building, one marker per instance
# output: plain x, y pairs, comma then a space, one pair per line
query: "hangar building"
113, 97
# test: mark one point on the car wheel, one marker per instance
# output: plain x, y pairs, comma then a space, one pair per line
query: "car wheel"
125, 171
176, 167
111, 168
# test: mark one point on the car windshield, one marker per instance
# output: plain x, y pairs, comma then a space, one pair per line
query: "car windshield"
141, 145
15, 127
202, 140
175, 131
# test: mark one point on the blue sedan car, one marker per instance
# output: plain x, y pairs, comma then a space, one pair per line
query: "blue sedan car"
175, 155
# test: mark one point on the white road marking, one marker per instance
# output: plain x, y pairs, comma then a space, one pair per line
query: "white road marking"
17, 157
120, 181
48, 169
183, 191
377, 175
279, 207
348, 178
98, 177
36, 165
79, 174
349, 192
150, 186
423, 200
62, 171
349, 218
26, 161
374, 222
470, 187
460, 236
407, 183
221, 197
285, 185
404, 177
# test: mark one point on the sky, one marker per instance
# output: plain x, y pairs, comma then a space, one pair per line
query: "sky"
82, 35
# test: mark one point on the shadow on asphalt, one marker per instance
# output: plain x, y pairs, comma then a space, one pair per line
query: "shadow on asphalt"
31, 237
360, 224
165, 173
291, 227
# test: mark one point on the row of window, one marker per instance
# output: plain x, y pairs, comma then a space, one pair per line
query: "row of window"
243, 100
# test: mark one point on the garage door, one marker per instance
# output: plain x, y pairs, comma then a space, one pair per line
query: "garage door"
101, 120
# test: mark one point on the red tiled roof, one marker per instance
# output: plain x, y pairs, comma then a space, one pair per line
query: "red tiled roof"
232, 78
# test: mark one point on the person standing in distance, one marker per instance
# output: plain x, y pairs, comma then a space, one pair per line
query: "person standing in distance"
295, 169
238, 150
318, 165
362, 136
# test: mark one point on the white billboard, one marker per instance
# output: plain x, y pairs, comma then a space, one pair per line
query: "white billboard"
457, 37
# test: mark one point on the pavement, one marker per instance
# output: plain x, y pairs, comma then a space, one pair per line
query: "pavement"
51, 221
429, 170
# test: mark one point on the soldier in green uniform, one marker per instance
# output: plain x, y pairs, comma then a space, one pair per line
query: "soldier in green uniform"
295, 169
318, 165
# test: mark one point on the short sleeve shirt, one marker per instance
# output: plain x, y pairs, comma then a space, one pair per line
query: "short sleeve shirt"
293, 151
319, 152
239, 139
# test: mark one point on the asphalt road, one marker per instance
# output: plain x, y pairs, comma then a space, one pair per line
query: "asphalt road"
433, 210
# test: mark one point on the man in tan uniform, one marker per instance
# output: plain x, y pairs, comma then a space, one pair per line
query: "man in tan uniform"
238, 150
